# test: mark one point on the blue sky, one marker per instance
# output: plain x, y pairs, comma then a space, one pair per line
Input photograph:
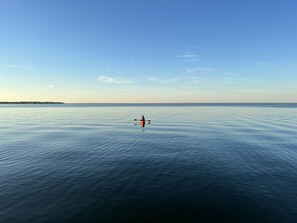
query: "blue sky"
148, 51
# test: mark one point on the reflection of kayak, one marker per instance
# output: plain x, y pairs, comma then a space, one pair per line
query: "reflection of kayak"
142, 123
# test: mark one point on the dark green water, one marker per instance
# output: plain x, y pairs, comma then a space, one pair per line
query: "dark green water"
193, 163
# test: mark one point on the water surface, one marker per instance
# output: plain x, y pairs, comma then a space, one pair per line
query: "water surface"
91, 163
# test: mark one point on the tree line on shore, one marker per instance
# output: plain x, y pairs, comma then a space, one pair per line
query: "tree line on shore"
30, 102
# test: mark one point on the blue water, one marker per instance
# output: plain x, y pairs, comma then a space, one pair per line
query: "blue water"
193, 163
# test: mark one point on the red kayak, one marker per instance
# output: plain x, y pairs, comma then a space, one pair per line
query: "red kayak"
142, 123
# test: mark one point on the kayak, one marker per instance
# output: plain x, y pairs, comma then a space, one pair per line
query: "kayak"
142, 123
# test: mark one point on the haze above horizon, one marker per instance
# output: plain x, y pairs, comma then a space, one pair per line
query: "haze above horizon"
148, 51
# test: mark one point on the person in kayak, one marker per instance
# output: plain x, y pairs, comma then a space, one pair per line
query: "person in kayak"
142, 118
142, 121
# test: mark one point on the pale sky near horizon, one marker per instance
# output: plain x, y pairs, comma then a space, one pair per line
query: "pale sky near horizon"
148, 51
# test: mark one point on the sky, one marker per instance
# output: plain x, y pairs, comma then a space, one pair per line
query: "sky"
148, 51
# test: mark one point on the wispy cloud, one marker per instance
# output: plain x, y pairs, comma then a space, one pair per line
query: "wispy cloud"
201, 70
50, 87
190, 57
14, 66
214, 82
162, 81
114, 80
8, 65
28, 68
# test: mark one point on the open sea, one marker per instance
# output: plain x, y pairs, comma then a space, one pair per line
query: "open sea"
193, 163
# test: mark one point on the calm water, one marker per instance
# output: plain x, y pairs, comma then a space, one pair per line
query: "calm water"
78, 163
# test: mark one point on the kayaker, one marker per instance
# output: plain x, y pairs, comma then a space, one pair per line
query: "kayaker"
142, 118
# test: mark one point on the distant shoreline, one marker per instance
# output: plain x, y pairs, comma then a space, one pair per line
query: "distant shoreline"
30, 102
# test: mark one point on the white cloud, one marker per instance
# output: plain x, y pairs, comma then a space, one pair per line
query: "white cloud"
50, 87
213, 82
28, 68
195, 81
190, 57
162, 81
201, 70
152, 78
14, 66
8, 65
112, 80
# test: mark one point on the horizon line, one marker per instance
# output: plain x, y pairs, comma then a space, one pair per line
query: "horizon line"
50, 102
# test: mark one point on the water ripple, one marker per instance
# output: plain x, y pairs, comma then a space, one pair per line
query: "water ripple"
91, 164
